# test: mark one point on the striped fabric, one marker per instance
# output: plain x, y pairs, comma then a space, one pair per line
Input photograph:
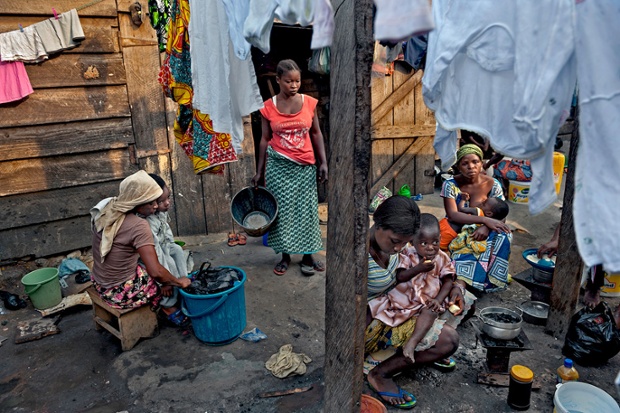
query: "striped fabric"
380, 280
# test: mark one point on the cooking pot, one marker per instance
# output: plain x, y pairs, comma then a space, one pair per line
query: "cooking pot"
534, 312
499, 329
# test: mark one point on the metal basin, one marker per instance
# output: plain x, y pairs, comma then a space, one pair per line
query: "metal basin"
498, 329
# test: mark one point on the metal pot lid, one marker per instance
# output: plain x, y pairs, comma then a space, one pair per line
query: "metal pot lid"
535, 308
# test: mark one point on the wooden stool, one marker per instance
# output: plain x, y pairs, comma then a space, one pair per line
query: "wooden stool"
129, 325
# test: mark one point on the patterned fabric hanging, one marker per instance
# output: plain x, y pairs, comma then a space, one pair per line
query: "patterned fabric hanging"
207, 149
159, 15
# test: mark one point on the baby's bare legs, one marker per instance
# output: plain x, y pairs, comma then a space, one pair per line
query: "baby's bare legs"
422, 325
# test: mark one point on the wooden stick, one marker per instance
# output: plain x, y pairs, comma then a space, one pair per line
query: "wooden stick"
284, 392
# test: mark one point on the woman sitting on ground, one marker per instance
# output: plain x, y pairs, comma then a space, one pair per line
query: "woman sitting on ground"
126, 272
396, 221
489, 270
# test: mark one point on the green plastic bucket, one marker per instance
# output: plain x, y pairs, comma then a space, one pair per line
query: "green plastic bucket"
43, 287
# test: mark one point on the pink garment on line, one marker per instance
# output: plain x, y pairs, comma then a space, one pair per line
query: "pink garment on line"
14, 82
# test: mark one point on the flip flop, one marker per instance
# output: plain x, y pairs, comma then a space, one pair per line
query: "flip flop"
318, 266
232, 239
442, 366
307, 270
176, 319
242, 239
401, 394
280, 268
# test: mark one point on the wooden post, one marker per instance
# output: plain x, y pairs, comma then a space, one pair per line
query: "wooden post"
347, 249
567, 276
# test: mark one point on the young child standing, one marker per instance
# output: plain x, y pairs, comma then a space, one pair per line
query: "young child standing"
169, 254
425, 278
291, 153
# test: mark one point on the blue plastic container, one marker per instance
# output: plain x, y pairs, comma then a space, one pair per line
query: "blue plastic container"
217, 319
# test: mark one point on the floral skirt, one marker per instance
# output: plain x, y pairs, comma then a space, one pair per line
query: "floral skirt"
139, 291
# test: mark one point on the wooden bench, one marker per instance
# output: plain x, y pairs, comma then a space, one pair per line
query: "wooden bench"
129, 325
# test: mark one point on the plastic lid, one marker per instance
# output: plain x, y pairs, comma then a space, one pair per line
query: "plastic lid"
568, 363
521, 373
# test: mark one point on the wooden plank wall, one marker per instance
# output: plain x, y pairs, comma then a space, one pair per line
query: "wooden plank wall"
64, 147
70, 143
403, 130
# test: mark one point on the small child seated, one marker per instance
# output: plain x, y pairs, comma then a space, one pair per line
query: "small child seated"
425, 277
169, 254
492, 207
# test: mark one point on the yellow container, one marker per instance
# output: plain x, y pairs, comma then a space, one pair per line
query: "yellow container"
518, 192
558, 170
611, 287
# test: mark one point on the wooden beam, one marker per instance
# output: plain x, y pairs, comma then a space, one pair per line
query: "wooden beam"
101, 33
64, 138
347, 234
402, 131
66, 70
66, 105
46, 239
568, 267
399, 94
28, 175
54, 205
397, 166
43, 8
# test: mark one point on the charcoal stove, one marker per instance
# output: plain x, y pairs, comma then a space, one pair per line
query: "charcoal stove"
539, 291
498, 351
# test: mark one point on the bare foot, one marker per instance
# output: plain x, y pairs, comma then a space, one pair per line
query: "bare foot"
591, 298
387, 385
409, 350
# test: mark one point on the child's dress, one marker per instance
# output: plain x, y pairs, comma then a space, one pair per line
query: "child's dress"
407, 300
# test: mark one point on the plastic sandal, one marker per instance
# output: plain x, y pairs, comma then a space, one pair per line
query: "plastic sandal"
307, 270
401, 394
232, 239
177, 319
442, 366
280, 268
242, 239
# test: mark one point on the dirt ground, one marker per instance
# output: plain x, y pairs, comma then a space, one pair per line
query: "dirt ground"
84, 370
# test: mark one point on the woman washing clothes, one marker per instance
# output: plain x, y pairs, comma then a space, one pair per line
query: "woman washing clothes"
290, 145
396, 221
488, 270
126, 272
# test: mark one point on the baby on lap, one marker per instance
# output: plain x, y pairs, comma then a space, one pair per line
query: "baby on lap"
492, 208
428, 275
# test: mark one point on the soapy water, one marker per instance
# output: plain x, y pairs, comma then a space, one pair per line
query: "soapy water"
255, 220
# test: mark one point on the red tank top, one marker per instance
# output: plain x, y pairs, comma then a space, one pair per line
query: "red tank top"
290, 132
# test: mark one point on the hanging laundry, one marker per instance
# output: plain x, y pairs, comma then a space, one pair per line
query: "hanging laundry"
237, 11
414, 51
506, 72
23, 46
257, 27
14, 82
323, 25
596, 175
397, 20
62, 33
159, 16
208, 150
224, 86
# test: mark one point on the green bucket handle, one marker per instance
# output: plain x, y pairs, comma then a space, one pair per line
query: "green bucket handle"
208, 311
35, 288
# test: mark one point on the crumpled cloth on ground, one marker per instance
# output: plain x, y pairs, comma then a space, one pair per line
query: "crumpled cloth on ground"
70, 266
286, 363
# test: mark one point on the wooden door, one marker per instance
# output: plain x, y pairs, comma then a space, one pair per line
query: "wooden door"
403, 132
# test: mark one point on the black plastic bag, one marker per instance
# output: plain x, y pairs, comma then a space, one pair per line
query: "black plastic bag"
592, 336
212, 280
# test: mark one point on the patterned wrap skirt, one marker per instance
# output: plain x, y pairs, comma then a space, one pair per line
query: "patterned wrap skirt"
296, 229
139, 291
